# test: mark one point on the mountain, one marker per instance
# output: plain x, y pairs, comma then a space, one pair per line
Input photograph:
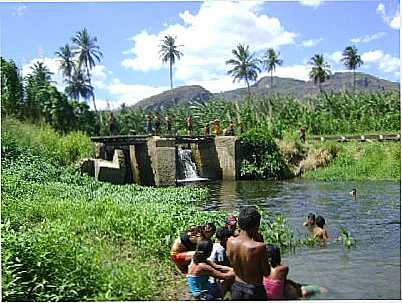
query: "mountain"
183, 94
281, 86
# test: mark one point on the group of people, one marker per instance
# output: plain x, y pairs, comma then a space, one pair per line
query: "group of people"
240, 263
153, 126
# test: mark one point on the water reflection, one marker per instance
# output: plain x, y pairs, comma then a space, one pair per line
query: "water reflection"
371, 270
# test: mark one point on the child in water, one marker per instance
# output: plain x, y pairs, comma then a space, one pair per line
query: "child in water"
278, 287
319, 231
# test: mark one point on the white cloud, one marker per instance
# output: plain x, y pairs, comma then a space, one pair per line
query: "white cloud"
218, 85
335, 57
313, 3
385, 62
132, 93
298, 71
311, 42
393, 20
99, 75
208, 37
368, 38
19, 11
53, 64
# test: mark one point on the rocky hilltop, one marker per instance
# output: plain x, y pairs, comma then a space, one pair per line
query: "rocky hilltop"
281, 86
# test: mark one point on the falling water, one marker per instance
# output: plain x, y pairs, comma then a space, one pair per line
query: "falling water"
187, 171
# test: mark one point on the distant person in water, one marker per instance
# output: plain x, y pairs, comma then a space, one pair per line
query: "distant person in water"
189, 122
112, 125
168, 122
353, 193
207, 130
319, 231
183, 248
149, 123
201, 269
310, 223
248, 258
218, 254
277, 286
303, 134
157, 124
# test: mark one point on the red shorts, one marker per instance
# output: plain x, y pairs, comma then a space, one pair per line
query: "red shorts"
180, 258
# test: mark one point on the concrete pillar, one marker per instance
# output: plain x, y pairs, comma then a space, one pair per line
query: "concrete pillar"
228, 151
112, 171
162, 153
134, 165
207, 161
100, 151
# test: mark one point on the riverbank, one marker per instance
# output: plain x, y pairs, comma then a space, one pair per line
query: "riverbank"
342, 161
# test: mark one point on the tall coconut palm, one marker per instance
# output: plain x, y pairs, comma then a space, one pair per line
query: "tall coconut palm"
66, 55
270, 61
87, 51
245, 66
169, 52
78, 86
320, 70
351, 60
41, 73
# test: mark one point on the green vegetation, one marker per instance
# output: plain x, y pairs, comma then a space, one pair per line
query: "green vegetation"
66, 237
361, 161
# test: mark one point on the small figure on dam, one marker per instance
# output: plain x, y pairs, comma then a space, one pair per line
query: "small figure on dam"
168, 122
302, 134
189, 122
112, 125
149, 123
207, 130
157, 124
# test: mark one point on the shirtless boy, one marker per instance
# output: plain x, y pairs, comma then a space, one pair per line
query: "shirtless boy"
318, 231
248, 258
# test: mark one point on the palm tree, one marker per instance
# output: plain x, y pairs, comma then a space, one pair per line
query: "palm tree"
270, 61
66, 59
245, 66
87, 52
168, 53
352, 60
78, 85
41, 73
320, 70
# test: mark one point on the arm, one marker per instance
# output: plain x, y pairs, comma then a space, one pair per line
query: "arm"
219, 267
210, 271
266, 268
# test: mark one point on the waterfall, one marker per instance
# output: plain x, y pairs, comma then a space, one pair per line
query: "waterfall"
186, 170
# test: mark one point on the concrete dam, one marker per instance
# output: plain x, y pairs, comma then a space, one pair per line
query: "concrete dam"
155, 161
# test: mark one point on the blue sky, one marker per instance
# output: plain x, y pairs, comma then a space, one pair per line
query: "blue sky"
129, 34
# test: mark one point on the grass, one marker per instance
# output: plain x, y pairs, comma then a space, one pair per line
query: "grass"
360, 161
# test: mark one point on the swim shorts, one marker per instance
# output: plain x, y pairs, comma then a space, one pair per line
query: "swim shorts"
250, 292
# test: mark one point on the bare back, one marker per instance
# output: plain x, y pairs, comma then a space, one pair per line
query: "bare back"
248, 259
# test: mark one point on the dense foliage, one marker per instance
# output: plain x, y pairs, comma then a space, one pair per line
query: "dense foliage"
66, 237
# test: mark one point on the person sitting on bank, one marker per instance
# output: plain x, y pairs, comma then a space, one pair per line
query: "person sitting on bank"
319, 232
278, 287
200, 270
218, 254
248, 258
183, 248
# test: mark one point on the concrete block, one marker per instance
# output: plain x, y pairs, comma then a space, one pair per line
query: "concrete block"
112, 171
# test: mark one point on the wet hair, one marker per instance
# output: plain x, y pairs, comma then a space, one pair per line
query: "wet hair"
224, 233
320, 221
273, 255
249, 217
311, 216
209, 227
202, 251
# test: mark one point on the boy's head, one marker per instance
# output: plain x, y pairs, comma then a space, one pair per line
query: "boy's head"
320, 221
249, 218
273, 255
311, 219
223, 234
203, 251
208, 230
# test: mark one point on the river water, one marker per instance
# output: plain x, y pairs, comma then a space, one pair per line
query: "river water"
371, 270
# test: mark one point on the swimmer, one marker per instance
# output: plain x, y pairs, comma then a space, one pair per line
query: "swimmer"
278, 287
310, 223
353, 193
183, 248
200, 270
318, 231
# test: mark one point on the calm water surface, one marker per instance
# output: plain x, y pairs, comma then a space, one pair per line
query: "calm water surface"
371, 270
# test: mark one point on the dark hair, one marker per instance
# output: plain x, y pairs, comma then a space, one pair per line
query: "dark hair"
273, 255
311, 216
248, 218
202, 251
224, 233
320, 221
